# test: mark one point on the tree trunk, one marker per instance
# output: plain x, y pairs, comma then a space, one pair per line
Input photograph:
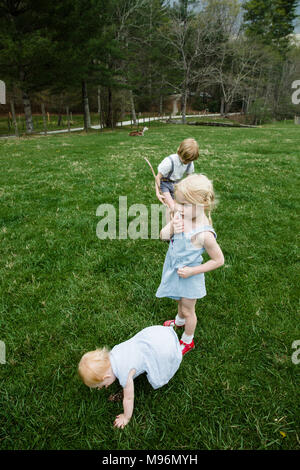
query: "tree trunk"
99, 99
44, 118
60, 110
248, 104
86, 109
222, 107
27, 111
123, 108
100, 109
13, 114
68, 118
161, 105
243, 105
183, 106
132, 107
109, 117
227, 107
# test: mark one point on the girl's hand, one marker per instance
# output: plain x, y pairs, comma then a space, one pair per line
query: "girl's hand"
185, 272
121, 421
178, 223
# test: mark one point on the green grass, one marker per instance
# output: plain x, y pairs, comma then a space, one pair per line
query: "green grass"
64, 292
204, 118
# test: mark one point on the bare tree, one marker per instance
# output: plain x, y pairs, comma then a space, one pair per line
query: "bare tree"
269, 90
190, 42
239, 60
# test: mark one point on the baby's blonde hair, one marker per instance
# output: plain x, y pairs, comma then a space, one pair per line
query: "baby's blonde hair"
93, 366
198, 189
188, 150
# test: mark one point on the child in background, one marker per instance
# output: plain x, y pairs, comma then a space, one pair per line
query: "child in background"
191, 233
154, 350
173, 168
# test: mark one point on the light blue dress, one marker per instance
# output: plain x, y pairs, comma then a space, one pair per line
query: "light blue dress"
154, 350
181, 253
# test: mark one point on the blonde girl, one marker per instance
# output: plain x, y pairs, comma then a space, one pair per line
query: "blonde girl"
190, 233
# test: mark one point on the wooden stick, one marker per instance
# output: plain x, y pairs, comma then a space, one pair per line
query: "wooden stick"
150, 167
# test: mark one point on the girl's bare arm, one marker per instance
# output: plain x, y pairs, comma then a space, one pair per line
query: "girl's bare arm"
175, 225
216, 258
214, 252
159, 196
128, 402
157, 180
167, 232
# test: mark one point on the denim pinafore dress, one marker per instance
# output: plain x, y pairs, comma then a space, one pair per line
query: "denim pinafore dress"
181, 253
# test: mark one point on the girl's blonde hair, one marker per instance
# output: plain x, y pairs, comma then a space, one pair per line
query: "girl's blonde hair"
198, 189
93, 366
188, 150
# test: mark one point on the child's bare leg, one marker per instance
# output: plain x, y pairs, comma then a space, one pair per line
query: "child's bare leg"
179, 320
179, 309
187, 311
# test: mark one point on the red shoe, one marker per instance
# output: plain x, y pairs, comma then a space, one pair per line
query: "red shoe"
172, 323
187, 347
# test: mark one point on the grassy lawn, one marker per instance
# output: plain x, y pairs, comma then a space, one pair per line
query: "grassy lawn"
211, 119
64, 292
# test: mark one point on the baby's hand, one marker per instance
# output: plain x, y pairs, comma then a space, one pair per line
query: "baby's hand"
121, 421
178, 223
185, 272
